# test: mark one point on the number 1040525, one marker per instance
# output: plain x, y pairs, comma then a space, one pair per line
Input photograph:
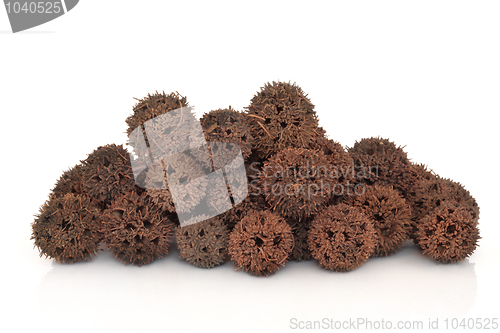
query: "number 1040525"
48, 7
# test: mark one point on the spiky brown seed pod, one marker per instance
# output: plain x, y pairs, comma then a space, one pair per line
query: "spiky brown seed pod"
66, 229
433, 191
300, 230
413, 195
448, 234
228, 125
107, 172
297, 183
341, 160
153, 106
184, 176
135, 229
251, 202
203, 244
390, 214
185, 182
260, 243
341, 238
380, 161
71, 181
281, 116
155, 181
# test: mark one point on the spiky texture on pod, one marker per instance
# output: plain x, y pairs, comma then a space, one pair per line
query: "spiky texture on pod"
300, 230
433, 191
183, 180
135, 229
260, 243
380, 161
251, 202
228, 125
448, 234
390, 214
153, 106
71, 181
281, 116
341, 160
414, 193
155, 180
298, 182
341, 238
66, 229
107, 172
203, 244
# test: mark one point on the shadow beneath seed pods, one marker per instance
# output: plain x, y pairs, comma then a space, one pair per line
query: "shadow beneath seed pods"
104, 294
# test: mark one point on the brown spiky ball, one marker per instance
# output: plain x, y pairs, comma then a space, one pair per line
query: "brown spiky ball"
107, 172
390, 215
380, 161
431, 192
160, 131
153, 106
260, 243
281, 116
448, 234
423, 176
180, 174
341, 238
157, 189
135, 229
341, 160
298, 182
71, 181
251, 202
66, 228
228, 125
185, 181
203, 244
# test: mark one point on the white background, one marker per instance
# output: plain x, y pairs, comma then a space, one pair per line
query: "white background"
424, 74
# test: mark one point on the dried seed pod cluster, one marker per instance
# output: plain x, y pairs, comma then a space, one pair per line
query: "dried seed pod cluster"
260, 243
390, 215
135, 230
66, 229
308, 196
203, 244
341, 238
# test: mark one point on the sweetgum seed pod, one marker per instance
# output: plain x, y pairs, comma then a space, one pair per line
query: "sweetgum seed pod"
415, 194
381, 161
433, 191
341, 238
71, 181
260, 243
250, 203
66, 228
155, 181
135, 229
153, 106
448, 234
341, 160
297, 183
107, 172
281, 116
203, 244
228, 125
389, 213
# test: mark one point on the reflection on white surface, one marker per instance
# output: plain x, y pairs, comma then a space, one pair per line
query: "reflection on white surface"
104, 293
